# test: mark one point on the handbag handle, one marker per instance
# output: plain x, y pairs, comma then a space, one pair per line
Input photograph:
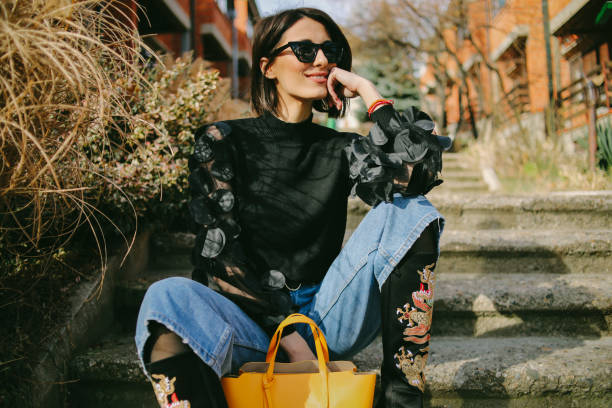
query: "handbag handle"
293, 319
320, 346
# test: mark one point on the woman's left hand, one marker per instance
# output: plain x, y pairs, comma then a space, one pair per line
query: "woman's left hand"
351, 85
296, 348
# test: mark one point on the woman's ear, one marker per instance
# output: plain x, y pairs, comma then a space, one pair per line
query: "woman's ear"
264, 66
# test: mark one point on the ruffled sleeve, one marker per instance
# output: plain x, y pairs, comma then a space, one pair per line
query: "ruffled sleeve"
400, 154
218, 257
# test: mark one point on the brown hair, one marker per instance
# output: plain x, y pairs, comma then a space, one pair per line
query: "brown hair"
268, 32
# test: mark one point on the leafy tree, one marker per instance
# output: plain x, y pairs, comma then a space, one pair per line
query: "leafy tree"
394, 78
389, 65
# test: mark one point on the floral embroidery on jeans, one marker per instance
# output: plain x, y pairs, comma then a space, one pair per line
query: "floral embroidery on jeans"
419, 315
164, 388
412, 366
418, 323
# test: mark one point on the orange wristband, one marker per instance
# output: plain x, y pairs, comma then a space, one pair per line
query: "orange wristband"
377, 103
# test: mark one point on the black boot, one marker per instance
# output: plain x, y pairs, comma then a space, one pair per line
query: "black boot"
406, 304
395, 393
184, 381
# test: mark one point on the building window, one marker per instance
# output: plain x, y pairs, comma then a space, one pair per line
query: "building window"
249, 28
497, 5
222, 6
513, 64
575, 68
461, 34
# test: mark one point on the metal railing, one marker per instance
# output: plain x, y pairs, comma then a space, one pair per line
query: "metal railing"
516, 100
571, 100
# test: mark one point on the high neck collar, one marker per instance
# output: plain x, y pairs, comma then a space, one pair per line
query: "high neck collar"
272, 120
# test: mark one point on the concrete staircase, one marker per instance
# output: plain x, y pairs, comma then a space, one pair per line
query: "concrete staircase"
460, 176
523, 307
109, 374
523, 302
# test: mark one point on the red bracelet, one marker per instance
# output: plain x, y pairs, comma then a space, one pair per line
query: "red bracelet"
376, 104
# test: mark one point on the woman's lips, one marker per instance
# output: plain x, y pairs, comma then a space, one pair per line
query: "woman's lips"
318, 78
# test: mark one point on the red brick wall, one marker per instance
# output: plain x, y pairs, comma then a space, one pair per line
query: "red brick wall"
207, 12
126, 12
171, 41
514, 13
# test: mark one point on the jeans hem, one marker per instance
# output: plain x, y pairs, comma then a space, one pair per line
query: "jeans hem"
206, 357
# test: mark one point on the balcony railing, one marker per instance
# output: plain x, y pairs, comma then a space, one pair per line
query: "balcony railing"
572, 104
516, 101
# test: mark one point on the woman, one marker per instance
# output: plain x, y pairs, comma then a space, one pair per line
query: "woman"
270, 198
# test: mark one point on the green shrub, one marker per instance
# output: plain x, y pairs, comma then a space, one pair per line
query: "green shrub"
92, 137
604, 145
147, 173
526, 163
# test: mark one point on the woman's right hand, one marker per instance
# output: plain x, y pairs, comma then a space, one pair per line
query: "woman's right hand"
296, 348
350, 85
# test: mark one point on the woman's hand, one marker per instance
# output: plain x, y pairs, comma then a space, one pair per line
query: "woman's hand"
296, 348
351, 85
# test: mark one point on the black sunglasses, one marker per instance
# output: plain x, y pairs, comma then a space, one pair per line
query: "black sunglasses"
306, 51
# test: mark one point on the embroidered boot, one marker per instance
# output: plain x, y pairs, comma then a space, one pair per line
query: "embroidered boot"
184, 381
406, 304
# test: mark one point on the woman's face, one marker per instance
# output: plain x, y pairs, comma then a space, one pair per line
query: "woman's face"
295, 80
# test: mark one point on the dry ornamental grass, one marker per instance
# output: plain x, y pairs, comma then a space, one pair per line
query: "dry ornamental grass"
58, 65
93, 136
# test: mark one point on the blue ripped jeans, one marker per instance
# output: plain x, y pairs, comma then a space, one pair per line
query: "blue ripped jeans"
345, 305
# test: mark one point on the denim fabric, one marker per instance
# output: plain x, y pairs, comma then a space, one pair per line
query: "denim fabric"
346, 305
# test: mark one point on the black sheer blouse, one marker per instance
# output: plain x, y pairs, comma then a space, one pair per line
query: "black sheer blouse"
269, 198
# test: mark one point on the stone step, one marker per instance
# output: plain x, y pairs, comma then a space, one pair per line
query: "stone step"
450, 157
109, 375
531, 372
449, 169
472, 186
171, 251
461, 372
581, 210
129, 294
471, 304
524, 251
511, 305
453, 161
450, 176
561, 210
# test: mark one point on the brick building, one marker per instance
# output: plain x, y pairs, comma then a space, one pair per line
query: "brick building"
504, 70
167, 27
583, 31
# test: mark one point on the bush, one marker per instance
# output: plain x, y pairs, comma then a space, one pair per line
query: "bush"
526, 163
604, 145
60, 62
91, 136
147, 174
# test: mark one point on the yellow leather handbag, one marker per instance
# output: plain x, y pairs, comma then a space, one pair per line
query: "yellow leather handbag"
305, 384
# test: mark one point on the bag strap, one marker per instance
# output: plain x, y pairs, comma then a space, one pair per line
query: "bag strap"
293, 319
320, 346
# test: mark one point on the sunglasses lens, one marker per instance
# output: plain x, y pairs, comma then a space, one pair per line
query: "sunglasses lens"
332, 51
305, 52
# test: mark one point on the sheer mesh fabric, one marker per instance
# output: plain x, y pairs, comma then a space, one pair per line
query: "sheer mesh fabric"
217, 256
